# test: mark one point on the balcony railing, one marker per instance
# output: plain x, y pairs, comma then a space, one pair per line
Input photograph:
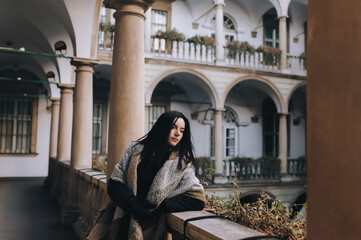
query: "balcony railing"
203, 54
248, 169
296, 167
183, 51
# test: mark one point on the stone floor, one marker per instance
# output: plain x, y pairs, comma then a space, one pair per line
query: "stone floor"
27, 212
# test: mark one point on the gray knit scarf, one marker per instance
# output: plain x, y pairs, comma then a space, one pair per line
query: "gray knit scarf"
168, 182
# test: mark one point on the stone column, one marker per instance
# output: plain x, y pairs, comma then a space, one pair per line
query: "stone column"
146, 112
148, 31
126, 117
54, 127
219, 31
65, 122
81, 152
52, 180
218, 141
333, 120
282, 143
283, 41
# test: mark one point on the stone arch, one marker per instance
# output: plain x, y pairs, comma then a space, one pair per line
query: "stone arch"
211, 89
253, 195
277, 97
301, 84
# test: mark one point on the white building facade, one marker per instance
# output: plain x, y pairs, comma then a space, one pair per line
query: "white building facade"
240, 102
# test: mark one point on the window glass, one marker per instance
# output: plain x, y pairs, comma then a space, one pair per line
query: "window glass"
230, 142
154, 113
97, 127
15, 125
159, 21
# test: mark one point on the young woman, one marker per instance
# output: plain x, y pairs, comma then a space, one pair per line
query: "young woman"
155, 176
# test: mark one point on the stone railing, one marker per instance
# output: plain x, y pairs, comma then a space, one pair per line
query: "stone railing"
182, 50
296, 65
296, 167
252, 169
254, 60
197, 53
105, 40
91, 194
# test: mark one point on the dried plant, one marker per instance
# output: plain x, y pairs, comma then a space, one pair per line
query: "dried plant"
266, 215
208, 42
171, 35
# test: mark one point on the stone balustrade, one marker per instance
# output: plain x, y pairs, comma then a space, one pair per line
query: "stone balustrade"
91, 192
205, 54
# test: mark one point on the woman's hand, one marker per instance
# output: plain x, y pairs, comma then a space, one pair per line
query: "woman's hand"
139, 210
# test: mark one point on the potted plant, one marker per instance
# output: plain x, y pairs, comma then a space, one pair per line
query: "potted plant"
235, 47
171, 35
207, 41
270, 54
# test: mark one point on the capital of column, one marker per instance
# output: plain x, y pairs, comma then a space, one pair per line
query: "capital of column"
66, 88
219, 2
117, 4
283, 114
55, 100
79, 62
219, 109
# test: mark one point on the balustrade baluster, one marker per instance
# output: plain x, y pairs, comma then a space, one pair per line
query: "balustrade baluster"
189, 50
177, 56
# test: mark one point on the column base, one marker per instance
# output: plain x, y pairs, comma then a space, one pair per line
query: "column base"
285, 71
69, 215
285, 177
219, 179
220, 62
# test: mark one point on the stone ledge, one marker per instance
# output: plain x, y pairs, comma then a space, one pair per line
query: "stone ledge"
208, 229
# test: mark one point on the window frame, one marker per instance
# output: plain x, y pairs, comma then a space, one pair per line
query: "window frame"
34, 129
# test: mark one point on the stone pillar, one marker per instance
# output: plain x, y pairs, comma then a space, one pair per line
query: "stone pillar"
283, 41
126, 117
81, 152
146, 112
282, 143
148, 31
65, 122
219, 31
54, 128
218, 141
333, 120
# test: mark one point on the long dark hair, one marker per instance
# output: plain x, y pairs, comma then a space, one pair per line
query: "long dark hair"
156, 148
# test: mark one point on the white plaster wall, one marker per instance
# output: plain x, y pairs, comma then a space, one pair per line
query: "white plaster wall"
36, 166
298, 14
297, 139
247, 17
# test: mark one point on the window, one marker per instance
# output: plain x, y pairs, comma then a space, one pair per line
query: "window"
16, 118
230, 142
212, 141
271, 28
229, 28
230, 134
159, 21
154, 113
270, 121
97, 128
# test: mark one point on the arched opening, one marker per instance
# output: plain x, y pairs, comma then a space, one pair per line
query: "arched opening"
189, 94
101, 90
297, 123
271, 29
270, 128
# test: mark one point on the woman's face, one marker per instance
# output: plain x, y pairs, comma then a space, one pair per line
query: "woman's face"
176, 133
